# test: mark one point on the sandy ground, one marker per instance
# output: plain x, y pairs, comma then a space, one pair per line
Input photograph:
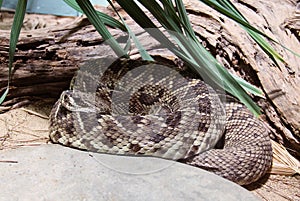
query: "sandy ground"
29, 127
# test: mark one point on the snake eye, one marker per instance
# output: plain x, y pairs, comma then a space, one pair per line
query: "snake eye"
67, 100
73, 101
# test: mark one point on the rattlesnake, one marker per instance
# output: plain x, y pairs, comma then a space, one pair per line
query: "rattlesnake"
135, 107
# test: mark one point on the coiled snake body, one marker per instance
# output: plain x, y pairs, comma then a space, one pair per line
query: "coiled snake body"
133, 108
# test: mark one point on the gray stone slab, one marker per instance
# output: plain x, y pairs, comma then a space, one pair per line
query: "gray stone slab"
54, 172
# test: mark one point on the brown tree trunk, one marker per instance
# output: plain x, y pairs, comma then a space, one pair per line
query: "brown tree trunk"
47, 58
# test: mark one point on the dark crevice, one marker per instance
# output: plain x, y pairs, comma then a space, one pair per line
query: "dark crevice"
198, 14
89, 43
32, 45
296, 33
248, 6
295, 149
43, 55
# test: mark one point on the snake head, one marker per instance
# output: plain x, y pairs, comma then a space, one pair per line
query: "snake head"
76, 101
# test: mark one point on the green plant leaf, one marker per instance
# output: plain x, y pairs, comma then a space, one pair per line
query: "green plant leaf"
144, 21
144, 54
14, 35
108, 20
96, 21
248, 87
184, 19
2, 98
15, 31
188, 47
228, 9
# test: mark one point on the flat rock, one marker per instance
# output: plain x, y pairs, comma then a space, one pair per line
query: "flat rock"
54, 172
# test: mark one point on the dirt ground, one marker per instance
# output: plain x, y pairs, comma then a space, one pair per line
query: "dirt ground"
28, 126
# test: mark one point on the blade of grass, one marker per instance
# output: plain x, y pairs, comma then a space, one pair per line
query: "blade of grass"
14, 35
2, 98
212, 69
108, 20
267, 48
208, 67
232, 15
169, 22
228, 9
15, 31
238, 91
192, 53
96, 21
185, 20
248, 87
230, 6
141, 49
143, 20
231, 85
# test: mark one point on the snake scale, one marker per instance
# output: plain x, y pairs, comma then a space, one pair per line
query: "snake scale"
132, 107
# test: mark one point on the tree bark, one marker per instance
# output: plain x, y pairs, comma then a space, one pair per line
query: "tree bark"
47, 58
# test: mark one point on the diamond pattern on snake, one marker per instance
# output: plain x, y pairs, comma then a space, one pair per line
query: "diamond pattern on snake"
133, 107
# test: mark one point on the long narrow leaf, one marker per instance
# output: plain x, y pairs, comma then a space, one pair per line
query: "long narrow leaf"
208, 67
184, 18
143, 20
2, 98
230, 84
15, 31
189, 49
14, 35
168, 21
267, 48
144, 54
228, 9
108, 20
215, 5
91, 14
248, 87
